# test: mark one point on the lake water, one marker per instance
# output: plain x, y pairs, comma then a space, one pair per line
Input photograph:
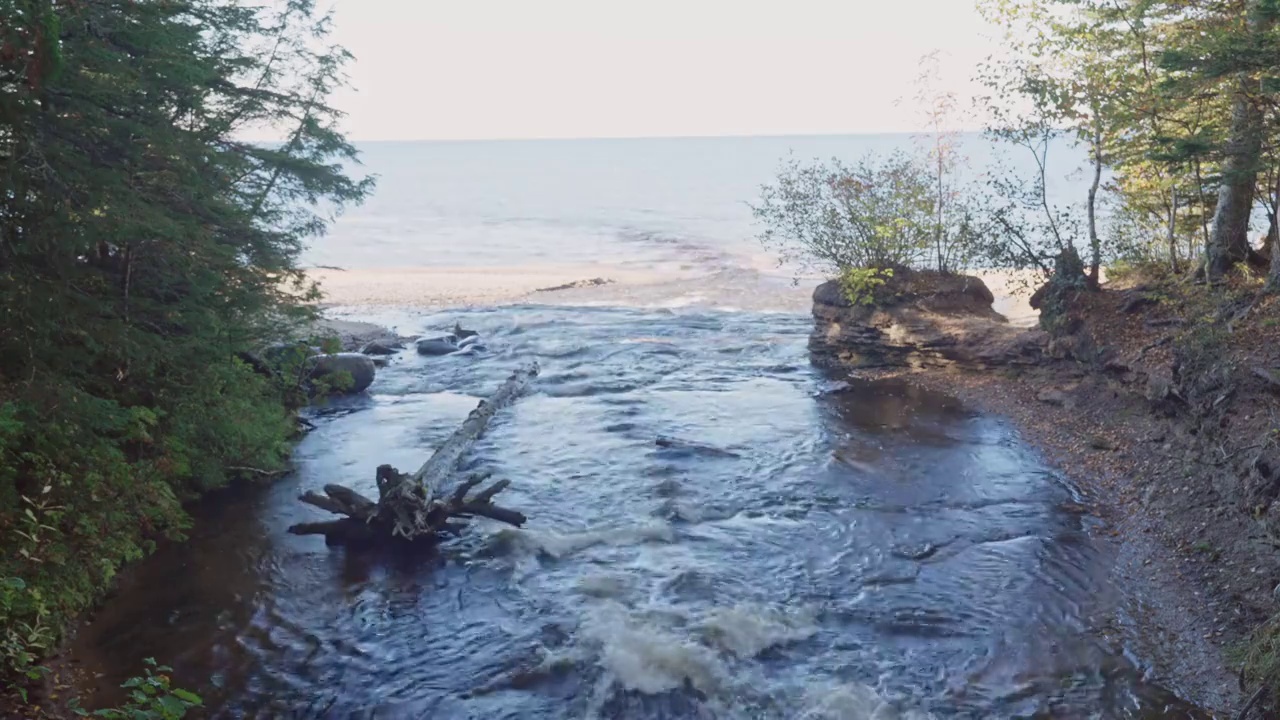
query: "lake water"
651, 204
808, 548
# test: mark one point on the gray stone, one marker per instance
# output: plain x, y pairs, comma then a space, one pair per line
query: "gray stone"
360, 367
1052, 396
463, 334
437, 345
918, 319
381, 347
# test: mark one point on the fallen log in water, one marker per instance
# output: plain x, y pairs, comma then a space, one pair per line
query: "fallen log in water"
427, 505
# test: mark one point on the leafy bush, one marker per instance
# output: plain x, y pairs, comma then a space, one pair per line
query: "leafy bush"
871, 214
151, 697
860, 285
24, 634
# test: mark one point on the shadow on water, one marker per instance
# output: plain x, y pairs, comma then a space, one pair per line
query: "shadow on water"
717, 531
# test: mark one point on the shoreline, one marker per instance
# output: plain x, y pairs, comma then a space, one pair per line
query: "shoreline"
749, 289
1178, 634
1167, 621
443, 288
1158, 408
1184, 645
1162, 621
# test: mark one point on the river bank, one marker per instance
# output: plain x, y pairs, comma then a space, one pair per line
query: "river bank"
918, 557
1181, 623
1160, 403
912, 540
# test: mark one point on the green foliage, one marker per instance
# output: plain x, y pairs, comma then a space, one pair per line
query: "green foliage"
293, 366
331, 382
144, 250
151, 697
1131, 271
1177, 101
860, 285
24, 632
1259, 657
873, 214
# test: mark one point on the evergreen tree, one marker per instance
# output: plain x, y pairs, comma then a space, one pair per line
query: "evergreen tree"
143, 245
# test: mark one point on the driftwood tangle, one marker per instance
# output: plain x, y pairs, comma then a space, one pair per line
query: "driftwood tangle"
428, 504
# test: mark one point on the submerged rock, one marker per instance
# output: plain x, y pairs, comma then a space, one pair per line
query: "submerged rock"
438, 345
592, 282
382, 347
360, 367
918, 319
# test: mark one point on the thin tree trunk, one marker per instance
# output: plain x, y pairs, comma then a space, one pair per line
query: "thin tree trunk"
1095, 243
937, 228
1273, 277
1273, 237
1229, 241
1204, 215
1173, 229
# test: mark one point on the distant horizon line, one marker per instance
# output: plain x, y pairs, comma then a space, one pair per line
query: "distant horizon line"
731, 136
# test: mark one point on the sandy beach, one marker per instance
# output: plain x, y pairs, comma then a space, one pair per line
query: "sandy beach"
745, 289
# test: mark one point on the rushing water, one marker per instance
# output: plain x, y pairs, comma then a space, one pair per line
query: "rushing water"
815, 550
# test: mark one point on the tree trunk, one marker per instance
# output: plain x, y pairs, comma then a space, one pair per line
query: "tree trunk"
424, 506
938, 220
1095, 243
1229, 241
1173, 229
1204, 224
1273, 239
1273, 236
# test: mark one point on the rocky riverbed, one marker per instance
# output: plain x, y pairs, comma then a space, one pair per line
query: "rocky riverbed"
1114, 403
716, 529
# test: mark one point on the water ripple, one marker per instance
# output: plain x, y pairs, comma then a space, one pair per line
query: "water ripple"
716, 531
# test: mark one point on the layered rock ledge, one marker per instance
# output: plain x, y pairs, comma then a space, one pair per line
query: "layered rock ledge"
918, 319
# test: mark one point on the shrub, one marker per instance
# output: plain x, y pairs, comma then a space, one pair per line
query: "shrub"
838, 217
860, 285
24, 633
151, 697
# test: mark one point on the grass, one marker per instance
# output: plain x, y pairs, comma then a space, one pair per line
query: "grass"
1259, 657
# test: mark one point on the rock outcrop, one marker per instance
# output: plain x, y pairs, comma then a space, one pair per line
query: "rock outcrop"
918, 319
359, 367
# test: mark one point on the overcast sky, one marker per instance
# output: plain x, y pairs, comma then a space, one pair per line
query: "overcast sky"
464, 69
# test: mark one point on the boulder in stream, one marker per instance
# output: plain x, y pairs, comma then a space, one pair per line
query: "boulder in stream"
359, 367
438, 345
381, 347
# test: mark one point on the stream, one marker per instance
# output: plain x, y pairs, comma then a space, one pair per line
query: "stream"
802, 548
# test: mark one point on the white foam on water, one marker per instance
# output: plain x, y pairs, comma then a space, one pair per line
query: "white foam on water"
605, 585
558, 545
647, 657
851, 701
746, 631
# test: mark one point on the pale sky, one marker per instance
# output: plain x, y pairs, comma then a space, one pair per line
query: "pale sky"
471, 69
